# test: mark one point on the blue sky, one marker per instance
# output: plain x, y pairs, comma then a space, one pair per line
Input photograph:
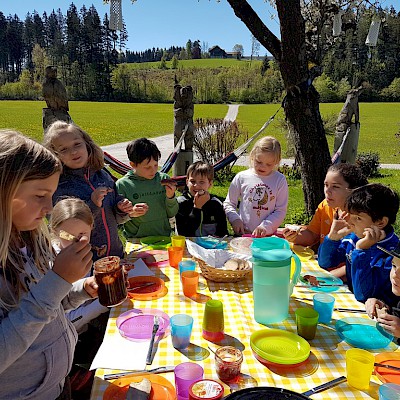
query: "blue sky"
165, 23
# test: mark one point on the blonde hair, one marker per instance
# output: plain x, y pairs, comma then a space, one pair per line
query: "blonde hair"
267, 144
70, 208
58, 128
21, 160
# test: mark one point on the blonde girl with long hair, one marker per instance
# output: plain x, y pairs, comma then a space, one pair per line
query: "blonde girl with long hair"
36, 288
261, 190
83, 177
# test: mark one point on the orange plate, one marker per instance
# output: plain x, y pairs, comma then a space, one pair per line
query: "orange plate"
386, 375
161, 388
148, 292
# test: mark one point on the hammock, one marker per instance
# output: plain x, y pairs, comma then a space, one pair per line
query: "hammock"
232, 157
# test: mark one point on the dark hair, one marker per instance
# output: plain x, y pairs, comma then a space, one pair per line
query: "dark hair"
351, 173
142, 149
376, 200
201, 168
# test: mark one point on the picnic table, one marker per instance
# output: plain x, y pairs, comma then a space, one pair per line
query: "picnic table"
327, 357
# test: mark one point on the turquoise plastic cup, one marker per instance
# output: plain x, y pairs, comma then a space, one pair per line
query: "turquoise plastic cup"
324, 303
181, 330
186, 265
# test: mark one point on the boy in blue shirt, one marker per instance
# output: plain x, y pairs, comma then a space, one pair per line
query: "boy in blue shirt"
370, 212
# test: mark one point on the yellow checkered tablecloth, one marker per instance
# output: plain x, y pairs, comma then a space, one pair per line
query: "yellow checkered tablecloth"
327, 358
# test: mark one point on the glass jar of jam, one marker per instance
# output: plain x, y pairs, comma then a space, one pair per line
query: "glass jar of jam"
206, 389
228, 361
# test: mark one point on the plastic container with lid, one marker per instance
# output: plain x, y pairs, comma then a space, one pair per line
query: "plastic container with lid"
206, 389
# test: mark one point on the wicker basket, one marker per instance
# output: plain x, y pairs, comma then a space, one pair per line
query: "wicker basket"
221, 275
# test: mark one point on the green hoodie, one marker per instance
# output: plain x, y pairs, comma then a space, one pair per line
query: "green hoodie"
141, 190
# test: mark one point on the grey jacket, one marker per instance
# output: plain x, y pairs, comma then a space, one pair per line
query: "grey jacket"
37, 341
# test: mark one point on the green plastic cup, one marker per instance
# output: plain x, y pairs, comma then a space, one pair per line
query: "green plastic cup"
306, 321
213, 321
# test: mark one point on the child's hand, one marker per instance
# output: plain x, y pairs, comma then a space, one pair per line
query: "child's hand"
91, 286
99, 194
201, 199
125, 206
74, 261
238, 227
370, 306
372, 235
290, 235
138, 210
170, 187
339, 228
259, 232
390, 323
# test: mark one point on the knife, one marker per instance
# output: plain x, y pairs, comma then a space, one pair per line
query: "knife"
156, 325
353, 310
158, 370
325, 386
388, 366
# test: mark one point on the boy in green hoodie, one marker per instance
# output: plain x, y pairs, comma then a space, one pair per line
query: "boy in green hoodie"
153, 199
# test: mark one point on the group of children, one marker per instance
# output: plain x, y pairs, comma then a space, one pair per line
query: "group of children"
46, 284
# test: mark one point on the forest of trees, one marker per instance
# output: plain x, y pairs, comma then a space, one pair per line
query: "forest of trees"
91, 60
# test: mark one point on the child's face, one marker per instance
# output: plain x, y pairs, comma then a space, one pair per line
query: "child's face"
358, 222
75, 227
395, 276
198, 182
71, 149
146, 169
264, 163
335, 189
32, 202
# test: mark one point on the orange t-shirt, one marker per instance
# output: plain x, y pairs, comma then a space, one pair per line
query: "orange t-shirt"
322, 220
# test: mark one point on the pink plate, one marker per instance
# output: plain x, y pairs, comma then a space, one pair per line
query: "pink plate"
137, 324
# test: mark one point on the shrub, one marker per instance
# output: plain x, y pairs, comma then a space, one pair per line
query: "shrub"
291, 172
369, 163
216, 138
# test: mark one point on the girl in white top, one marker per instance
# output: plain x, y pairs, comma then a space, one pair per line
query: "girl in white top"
262, 191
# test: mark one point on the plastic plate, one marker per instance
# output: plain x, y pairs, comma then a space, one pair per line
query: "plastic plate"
140, 288
241, 245
161, 388
156, 242
304, 253
209, 242
279, 347
388, 375
137, 324
324, 278
362, 333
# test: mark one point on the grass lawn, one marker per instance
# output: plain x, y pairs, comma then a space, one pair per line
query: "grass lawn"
107, 123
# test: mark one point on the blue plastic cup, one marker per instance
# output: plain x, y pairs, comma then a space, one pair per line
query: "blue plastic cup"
181, 330
389, 391
323, 303
186, 265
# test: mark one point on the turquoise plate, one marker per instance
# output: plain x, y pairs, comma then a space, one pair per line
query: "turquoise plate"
209, 242
362, 333
324, 278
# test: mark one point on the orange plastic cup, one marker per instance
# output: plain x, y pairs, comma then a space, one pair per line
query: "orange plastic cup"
190, 283
175, 255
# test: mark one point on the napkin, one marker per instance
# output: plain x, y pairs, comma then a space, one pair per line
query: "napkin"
117, 352
214, 257
140, 269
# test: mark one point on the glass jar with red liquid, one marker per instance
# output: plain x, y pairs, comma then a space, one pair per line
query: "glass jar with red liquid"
228, 361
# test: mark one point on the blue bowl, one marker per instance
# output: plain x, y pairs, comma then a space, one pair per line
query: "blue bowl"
363, 333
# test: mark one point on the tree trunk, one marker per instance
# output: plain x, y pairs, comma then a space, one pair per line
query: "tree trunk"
301, 103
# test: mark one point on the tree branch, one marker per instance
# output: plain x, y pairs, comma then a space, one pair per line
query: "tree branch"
245, 12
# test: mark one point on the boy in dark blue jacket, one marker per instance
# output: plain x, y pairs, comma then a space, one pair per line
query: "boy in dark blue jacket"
370, 212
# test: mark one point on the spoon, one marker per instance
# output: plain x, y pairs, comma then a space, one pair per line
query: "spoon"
219, 241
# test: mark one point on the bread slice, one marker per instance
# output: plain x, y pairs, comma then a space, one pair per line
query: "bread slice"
380, 312
139, 390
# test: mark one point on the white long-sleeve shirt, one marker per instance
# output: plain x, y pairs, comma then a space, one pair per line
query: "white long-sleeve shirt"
263, 200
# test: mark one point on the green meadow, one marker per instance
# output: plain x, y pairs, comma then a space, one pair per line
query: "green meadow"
110, 123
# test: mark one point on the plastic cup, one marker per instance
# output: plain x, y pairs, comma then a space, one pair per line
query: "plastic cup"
178, 241
175, 255
359, 366
306, 321
186, 374
213, 321
389, 391
323, 304
181, 330
190, 283
187, 265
